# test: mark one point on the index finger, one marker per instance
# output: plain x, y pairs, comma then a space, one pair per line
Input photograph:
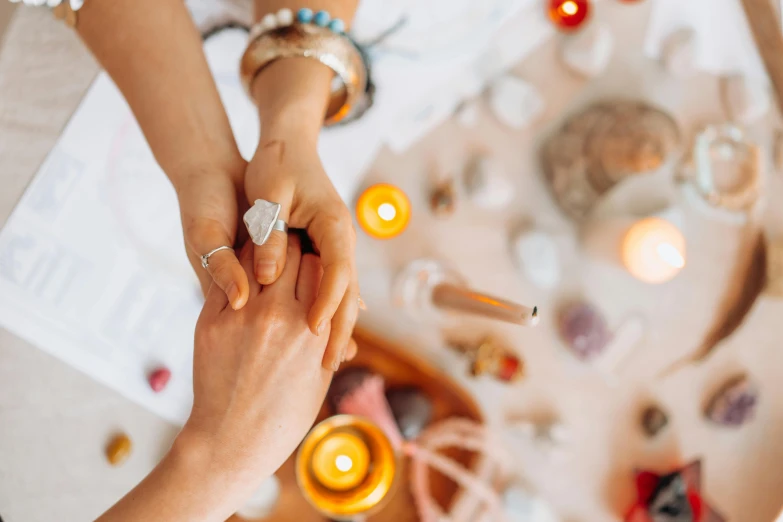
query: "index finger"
334, 238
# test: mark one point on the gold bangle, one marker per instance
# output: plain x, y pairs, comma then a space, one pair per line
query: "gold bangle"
310, 41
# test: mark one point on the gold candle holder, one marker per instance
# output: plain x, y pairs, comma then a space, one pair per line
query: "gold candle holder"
346, 467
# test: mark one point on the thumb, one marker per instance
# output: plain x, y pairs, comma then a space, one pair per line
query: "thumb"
269, 259
203, 237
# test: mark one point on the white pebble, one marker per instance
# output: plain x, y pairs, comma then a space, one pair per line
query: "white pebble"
486, 184
515, 102
77, 4
262, 502
535, 253
588, 51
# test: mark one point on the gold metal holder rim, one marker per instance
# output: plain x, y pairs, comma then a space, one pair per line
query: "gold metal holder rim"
385, 485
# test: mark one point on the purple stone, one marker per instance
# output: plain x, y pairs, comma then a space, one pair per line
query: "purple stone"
583, 328
734, 404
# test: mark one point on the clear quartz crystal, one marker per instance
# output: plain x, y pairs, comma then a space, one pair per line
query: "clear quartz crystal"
260, 219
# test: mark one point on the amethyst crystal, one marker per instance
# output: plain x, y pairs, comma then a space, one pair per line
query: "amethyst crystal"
734, 404
583, 328
412, 410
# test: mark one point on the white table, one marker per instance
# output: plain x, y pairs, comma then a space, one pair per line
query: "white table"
54, 421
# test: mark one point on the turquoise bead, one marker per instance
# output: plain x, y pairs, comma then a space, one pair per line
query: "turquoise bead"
321, 18
337, 25
304, 16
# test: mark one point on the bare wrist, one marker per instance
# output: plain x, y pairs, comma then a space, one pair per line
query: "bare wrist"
292, 95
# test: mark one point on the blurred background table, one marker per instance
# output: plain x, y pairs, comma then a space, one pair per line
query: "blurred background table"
54, 421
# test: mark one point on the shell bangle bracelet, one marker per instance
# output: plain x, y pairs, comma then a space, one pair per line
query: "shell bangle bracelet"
309, 40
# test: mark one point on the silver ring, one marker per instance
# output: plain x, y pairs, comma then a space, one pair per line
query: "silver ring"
205, 257
261, 220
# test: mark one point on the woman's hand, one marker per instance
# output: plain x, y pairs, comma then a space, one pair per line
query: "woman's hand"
257, 377
257, 387
211, 199
286, 169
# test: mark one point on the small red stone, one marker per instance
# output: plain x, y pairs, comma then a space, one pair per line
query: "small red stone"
159, 379
509, 368
568, 15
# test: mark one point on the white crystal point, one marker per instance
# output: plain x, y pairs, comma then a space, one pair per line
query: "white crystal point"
260, 219
515, 102
486, 184
588, 51
746, 100
536, 255
467, 114
678, 53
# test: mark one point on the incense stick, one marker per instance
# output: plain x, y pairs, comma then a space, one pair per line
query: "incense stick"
452, 297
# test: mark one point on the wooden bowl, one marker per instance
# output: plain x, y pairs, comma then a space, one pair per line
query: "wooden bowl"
399, 368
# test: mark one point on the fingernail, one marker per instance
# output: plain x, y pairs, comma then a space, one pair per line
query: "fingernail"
362, 305
233, 295
321, 327
335, 365
265, 271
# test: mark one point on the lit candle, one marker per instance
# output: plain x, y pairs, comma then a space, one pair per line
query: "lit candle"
568, 15
383, 211
653, 250
346, 467
341, 461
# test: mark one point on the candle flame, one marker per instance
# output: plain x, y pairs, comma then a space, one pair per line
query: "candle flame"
569, 8
670, 255
387, 212
343, 463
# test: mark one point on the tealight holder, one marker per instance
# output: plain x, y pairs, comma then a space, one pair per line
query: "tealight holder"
346, 467
569, 15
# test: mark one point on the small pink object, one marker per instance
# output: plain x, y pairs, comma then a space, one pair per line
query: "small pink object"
159, 379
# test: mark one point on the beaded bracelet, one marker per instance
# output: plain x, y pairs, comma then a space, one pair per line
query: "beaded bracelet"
285, 17
65, 10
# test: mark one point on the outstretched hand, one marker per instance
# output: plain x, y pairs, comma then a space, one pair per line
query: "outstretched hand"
289, 172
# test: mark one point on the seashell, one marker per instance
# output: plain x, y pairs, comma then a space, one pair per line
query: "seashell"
515, 102
588, 51
536, 254
745, 100
583, 328
412, 410
602, 146
486, 184
678, 53
443, 199
734, 404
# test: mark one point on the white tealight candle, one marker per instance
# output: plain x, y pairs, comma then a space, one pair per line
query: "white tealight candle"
653, 250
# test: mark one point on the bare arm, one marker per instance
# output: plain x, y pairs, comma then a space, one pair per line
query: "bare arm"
154, 54
292, 95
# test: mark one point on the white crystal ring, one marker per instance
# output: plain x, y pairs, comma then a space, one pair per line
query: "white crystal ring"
205, 257
261, 220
